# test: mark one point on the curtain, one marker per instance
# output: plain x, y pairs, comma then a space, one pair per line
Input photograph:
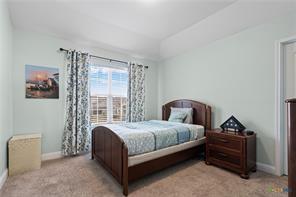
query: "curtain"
76, 136
136, 93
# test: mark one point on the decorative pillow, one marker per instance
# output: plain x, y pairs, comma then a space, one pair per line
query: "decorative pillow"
188, 111
177, 116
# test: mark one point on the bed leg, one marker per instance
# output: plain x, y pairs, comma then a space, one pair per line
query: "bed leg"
125, 170
125, 190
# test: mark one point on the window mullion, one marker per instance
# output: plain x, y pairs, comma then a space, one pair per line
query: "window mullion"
97, 99
110, 107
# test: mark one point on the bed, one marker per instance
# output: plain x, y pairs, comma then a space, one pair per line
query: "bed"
110, 147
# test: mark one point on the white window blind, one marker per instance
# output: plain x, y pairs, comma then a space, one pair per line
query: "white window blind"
108, 91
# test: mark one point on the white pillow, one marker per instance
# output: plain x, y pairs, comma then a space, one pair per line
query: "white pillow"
189, 112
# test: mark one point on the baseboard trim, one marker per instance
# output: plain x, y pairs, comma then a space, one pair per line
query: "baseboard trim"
3, 178
50, 156
266, 168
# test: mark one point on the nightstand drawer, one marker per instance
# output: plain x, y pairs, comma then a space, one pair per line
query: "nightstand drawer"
234, 144
225, 157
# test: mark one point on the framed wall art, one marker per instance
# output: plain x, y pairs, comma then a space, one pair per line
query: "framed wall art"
42, 82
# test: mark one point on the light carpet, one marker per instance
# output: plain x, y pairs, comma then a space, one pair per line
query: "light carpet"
81, 177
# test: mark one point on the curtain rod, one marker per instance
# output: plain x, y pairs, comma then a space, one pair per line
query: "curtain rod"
104, 58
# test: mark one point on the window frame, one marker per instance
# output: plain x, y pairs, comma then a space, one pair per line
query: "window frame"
108, 96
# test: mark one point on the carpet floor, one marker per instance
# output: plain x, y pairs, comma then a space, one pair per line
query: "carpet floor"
81, 177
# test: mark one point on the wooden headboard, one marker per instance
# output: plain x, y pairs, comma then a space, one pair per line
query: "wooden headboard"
201, 112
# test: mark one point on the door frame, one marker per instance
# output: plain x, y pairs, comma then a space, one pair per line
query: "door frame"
279, 101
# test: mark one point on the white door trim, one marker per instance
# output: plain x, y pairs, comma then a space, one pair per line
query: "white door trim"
279, 100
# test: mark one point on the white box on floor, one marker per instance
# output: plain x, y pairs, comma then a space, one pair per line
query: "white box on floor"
24, 153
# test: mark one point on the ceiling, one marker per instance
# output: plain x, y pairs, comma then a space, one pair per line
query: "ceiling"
153, 29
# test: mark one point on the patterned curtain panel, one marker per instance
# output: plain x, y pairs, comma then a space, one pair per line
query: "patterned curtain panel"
76, 137
136, 93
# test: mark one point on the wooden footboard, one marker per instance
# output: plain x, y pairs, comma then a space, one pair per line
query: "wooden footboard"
107, 148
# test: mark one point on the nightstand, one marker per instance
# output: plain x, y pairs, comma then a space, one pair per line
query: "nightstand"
230, 150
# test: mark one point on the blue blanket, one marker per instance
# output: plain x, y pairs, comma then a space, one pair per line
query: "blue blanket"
147, 136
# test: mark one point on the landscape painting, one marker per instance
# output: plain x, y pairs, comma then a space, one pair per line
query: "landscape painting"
42, 82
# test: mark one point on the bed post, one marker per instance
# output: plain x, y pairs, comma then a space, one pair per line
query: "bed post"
125, 170
92, 144
208, 118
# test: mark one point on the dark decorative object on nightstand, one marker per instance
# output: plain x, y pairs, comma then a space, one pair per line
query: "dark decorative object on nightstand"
235, 151
232, 124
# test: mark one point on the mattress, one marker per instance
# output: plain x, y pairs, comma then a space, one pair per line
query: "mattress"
148, 136
137, 159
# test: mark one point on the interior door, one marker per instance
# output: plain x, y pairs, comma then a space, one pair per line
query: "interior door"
289, 91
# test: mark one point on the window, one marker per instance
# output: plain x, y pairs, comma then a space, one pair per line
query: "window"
108, 91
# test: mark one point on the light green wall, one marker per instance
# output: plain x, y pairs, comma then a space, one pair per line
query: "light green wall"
47, 115
6, 127
235, 75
